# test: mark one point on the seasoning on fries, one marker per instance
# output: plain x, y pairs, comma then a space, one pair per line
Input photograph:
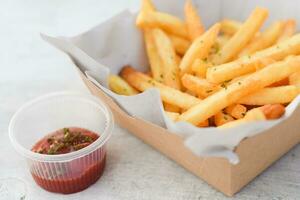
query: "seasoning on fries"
213, 76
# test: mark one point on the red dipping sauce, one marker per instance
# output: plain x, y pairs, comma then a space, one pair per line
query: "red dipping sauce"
74, 175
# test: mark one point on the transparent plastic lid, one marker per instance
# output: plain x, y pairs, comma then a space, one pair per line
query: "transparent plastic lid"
51, 112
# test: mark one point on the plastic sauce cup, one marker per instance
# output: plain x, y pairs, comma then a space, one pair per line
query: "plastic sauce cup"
64, 173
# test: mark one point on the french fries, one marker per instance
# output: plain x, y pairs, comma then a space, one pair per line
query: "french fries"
168, 23
147, 5
200, 66
120, 86
249, 64
156, 64
294, 79
273, 111
252, 115
241, 38
199, 49
266, 112
288, 31
264, 40
231, 94
169, 95
222, 118
168, 57
201, 87
275, 95
211, 78
180, 44
230, 27
193, 21
237, 111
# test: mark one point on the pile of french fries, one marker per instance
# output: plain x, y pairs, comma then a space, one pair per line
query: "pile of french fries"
225, 75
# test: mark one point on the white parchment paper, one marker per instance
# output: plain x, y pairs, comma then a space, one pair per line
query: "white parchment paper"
109, 46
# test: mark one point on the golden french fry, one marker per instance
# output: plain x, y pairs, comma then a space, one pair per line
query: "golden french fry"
171, 108
193, 21
120, 86
168, 57
168, 23
280, 83
156, 64
202, 124
172, 115
147, 5
237, 111
294, 79
241, 38
231, 94
178, 59
255, 114
199, 49
200, 86
222, 40
272, 111
169, 95
180, 44
274, 95
200, 67
288, 31
248, 64
230, 27
264, 40
221, 118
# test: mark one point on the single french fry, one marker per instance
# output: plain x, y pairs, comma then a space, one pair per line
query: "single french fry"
264, 40
178, 59
200, 86
241, 38
221, 118
288, 30
202, 124
280, 83
273, 95
230, 27
272, 111
166, 22
120, 86
200, 67
180, 44
231, 94
254, 114
147, 5
199, 48
294, 79
168, 57
169, 95
156, 64
193, 21
260, 59
171, 108
237, 111
222, 40
172, 115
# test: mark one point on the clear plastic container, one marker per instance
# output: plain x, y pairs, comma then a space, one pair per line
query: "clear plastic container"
64, 173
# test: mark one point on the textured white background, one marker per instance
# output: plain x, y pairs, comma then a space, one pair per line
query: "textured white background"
29, 67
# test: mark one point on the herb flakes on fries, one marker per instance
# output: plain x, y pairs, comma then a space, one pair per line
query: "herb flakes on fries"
224, 75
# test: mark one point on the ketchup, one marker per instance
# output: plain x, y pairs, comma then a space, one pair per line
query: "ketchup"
72, 176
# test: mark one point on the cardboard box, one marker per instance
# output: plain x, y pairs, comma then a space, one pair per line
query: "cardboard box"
256, 153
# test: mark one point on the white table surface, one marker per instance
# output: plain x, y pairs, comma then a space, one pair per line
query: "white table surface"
29, 67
